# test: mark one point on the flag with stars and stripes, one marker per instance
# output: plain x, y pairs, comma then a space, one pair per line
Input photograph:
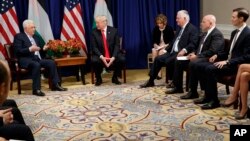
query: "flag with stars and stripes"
8, 24
72, 26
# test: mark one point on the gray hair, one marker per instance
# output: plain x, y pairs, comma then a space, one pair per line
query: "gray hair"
184, 13
27, 22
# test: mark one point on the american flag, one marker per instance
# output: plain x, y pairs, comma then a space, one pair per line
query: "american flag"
8, 23
73, 23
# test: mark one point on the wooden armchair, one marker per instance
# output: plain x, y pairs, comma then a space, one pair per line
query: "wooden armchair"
123, 70
227, 80
16, 71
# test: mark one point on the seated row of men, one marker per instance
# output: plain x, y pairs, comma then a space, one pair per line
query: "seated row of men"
207, 58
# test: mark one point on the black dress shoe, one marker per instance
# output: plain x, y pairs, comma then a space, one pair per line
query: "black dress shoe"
174, 90
158, 78
210, 105
201, 101
58, 88
98, 82
148, 84
170, 85
190, 95
38, 93
116, 81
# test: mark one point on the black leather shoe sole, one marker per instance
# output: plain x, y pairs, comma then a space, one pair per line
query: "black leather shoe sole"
147, 84
59, 89
38, 93
210, 105
117, 82
98, 83
174, 91
189, 96
201, 101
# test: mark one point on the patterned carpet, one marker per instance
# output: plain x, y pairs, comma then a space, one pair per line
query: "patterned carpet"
122, 113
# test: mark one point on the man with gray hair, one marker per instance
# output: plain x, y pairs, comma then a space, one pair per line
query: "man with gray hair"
185, 41
106, 50
30, 53
210, 44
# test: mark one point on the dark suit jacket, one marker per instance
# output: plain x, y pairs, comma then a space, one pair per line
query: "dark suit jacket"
21, 49
241, 50
168, 35
112, 39
213, 44
189, 39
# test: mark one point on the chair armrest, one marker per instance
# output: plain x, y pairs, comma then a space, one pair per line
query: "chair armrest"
13, 64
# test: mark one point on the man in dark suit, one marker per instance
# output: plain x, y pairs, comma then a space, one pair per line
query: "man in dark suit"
211, 42
106, 50
30, 55
239, 49
185, 42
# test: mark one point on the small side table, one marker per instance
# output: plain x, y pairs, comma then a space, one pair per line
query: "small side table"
72, 61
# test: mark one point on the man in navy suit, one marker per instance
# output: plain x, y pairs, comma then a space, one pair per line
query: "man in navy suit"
239, 49
30, 55
210, 44
185, 42
106, 50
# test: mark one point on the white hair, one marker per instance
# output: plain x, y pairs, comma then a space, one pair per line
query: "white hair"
211, 19
27, 22
184, 14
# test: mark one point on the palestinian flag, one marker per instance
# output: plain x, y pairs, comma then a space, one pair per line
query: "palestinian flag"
101, 8
37, 13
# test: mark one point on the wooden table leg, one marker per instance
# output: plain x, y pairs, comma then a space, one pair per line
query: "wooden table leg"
82, 74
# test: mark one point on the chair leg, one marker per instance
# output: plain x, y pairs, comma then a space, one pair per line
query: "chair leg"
187, 81
227, 89
18, 83
124, 75
166, 80
92, 76
50, 83
11, 85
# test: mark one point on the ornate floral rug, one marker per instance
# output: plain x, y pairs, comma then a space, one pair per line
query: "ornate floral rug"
123, 113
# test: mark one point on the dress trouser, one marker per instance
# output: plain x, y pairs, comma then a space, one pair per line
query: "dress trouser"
167, 60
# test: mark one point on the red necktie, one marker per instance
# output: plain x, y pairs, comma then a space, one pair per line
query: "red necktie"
105, 45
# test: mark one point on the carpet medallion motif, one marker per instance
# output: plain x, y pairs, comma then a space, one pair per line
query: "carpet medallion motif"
120, 113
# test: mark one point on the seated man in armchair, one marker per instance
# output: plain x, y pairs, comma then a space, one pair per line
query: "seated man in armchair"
106, 47
29, 51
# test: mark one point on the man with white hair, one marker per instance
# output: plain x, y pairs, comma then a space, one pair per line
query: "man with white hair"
211, 43
106, 50
184, 42
30, 55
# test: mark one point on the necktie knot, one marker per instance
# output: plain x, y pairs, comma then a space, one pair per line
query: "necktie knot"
204, 34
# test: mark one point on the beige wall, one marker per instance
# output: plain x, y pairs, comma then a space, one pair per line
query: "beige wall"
222, 9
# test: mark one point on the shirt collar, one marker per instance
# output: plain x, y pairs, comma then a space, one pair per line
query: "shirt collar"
242, 27
184, 26
210, 30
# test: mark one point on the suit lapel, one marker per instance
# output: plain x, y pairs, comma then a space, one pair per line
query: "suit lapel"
241, 36
108, 35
